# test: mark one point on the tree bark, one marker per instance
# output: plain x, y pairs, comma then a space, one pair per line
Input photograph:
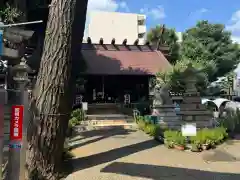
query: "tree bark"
52, 95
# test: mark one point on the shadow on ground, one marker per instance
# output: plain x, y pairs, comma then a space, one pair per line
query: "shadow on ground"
111, 155
165, 173
220, 156
97, 135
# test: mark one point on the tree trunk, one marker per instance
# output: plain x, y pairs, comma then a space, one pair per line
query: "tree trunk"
52, 95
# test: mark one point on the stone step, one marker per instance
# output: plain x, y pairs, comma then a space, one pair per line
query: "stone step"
102, 111
124, 126
81, 128
103, 108
195, 113
192, 107
107, 122
107, 116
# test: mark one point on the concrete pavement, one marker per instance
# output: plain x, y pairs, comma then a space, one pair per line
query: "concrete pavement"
119, 154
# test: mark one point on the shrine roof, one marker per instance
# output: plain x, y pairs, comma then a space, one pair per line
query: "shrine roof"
116, 59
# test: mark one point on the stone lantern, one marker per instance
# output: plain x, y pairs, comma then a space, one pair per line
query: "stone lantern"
17, 158
20, 72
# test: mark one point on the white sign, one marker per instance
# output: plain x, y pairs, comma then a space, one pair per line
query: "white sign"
189, 129
84, 106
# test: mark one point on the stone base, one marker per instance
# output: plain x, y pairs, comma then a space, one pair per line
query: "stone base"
177, 124
166, 106
166, 116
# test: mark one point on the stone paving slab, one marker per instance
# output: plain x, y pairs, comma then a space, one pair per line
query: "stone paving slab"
132, 155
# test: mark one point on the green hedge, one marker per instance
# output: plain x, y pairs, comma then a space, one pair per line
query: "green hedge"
149, 128
210, 137
204, 136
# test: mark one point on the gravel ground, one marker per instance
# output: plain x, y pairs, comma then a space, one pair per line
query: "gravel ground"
118, 154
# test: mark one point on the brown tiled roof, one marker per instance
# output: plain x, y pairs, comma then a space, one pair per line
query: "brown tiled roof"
120, 59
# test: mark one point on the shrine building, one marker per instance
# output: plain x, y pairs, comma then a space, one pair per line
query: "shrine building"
116, 71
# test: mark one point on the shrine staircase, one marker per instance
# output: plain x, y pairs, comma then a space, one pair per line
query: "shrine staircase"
109, 114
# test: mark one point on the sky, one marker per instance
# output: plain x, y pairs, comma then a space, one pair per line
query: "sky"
178, 14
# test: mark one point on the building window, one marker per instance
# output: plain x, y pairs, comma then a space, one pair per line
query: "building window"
141, 22
141, 35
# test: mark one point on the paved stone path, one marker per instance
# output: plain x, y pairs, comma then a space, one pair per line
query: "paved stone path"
132, 155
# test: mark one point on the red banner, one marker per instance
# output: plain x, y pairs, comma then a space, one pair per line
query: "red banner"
16, 123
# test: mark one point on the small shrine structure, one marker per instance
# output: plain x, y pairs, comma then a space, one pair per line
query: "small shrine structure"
191, 109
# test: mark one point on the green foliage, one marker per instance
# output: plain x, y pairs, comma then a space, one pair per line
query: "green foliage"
174, 137
195, 147
208, 42
149, 128
210, 49
175, 77
9, 14
77, 116
141, 124
223, 84
169, 37
211, 137
232, 121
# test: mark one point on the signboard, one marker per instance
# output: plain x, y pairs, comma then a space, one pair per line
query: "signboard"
189, 129
84, 106
16, 123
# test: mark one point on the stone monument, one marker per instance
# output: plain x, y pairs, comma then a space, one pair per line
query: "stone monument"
163, 108
192, 110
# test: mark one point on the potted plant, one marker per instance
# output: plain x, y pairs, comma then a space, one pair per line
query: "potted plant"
180, 143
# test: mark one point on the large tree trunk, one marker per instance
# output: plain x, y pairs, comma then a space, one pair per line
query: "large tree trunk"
53, 89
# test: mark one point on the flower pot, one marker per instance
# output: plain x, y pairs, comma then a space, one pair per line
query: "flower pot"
179, 147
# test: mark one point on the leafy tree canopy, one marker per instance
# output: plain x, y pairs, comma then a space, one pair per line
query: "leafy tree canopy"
169, 37
176, 80
208, 42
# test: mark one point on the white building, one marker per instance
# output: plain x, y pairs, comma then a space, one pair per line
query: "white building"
109, 25
179, 35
